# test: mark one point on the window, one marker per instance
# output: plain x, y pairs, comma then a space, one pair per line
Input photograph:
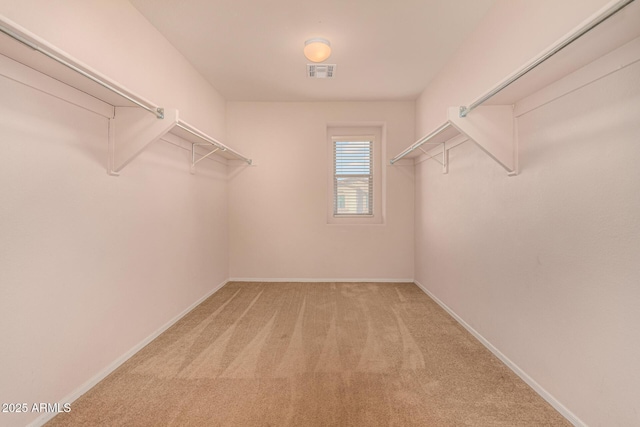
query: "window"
355, 176
352, 177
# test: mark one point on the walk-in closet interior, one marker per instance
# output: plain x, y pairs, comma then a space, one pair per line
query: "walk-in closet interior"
438, 224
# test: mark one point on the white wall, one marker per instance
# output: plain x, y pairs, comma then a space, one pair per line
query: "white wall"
91, 265
544, 265
111, 36
277, 209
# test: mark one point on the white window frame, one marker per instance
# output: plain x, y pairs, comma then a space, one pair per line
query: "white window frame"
356, 133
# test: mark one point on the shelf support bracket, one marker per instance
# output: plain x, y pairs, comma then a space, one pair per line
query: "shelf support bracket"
445, 157
492, 128
195, 161
131, 131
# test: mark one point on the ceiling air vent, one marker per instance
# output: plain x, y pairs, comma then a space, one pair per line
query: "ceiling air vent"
321, 71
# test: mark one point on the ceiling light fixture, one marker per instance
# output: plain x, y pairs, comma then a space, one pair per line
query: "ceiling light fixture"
317, 50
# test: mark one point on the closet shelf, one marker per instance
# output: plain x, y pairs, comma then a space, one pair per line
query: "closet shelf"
489, 119
491, 127
131, 130
197, 138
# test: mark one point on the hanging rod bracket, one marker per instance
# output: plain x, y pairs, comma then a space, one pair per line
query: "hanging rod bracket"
195, 161
492, 129
130, 131
445, 156
429, 156
160, 112
464, 111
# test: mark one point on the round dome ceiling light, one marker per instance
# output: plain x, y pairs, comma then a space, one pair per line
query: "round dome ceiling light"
317, 50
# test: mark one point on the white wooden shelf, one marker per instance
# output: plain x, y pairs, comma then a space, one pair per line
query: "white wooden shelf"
134, 122
489, 120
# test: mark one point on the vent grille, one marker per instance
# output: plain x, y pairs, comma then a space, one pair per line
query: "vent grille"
321, 71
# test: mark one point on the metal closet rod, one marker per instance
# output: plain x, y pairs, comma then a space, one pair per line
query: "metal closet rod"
557, 48
157, 111
606, 14
218, 144
424, 140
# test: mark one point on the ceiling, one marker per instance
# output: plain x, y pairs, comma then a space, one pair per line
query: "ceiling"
251, 50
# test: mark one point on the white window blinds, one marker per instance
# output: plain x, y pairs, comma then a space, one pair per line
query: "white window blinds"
352, 177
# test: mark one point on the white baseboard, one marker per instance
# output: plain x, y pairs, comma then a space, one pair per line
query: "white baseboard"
314, 280
570, 416
42, 419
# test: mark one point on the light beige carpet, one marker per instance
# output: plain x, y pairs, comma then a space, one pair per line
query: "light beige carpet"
313, 354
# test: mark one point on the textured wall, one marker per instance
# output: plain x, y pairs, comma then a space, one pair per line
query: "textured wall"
545, 265
91, 265
277, 209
